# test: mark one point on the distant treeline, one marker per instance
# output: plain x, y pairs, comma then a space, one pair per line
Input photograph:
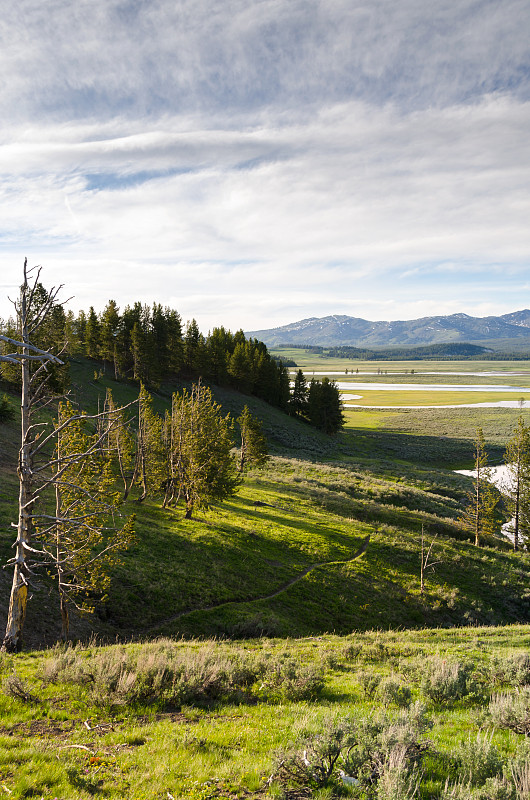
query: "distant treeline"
452, 351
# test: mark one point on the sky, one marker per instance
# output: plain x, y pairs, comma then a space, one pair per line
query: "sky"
256, 162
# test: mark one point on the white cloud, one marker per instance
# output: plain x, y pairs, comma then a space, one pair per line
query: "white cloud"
268, 160
94, 57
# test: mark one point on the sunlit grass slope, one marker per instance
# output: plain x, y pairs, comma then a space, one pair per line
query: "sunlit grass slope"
290, 554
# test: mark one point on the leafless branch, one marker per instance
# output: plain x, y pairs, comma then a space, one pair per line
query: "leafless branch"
45, 353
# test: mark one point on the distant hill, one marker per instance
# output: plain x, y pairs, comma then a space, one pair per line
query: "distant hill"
451, 351
508, 330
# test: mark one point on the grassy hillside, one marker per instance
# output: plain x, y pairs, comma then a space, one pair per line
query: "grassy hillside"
325, 538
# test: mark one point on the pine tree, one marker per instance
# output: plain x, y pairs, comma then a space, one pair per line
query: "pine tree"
92, 335
82, 541
47, 327
266, 378
332, 418
7, 410
74, 342
324, 406
151, 451
299, 396
284, 387
110, 323
314, 402
174, 341
191, 347
10, 369
219, 346
52, 336
479, 515
240, 369
202, 466
517, 460
122, 443
253, 442
140, 352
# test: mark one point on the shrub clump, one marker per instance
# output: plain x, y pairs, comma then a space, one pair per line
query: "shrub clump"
511, 711
376, 652
368, 681
446, 681
492, 789
513, 670
7, 412
16, 688
371, 752
169, 675
397, 779
478, 759
285, 678
351, 651
391, 690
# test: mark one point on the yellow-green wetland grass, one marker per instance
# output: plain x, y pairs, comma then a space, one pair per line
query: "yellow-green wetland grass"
441, 398
431, 397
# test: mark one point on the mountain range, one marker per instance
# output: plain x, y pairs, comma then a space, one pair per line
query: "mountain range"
507, 331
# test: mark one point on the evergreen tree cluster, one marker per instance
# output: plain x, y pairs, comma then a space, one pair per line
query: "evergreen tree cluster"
480, 515
187, 454
318, 403
150, 345
442, 351
47, 323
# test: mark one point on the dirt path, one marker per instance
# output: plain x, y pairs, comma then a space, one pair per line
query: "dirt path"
362, 549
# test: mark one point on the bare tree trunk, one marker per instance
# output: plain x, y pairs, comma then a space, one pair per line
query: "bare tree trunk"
189, 506
477, 506
38, 472
422, 568
242, 454
65, 619
143, 473
516, 509
19, 589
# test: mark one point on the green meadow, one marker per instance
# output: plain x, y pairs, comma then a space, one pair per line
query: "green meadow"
219, 719
231, 645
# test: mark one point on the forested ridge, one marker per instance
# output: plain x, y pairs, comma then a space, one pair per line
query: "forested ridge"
76, 468
150, 345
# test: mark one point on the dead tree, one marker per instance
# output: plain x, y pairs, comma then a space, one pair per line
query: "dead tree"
78, 536
32, 390
39, 469
426, 563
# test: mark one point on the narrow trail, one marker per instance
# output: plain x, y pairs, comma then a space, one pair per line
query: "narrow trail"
362, 549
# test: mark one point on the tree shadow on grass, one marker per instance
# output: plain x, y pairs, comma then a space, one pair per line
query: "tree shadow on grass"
425, 450
272, 515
